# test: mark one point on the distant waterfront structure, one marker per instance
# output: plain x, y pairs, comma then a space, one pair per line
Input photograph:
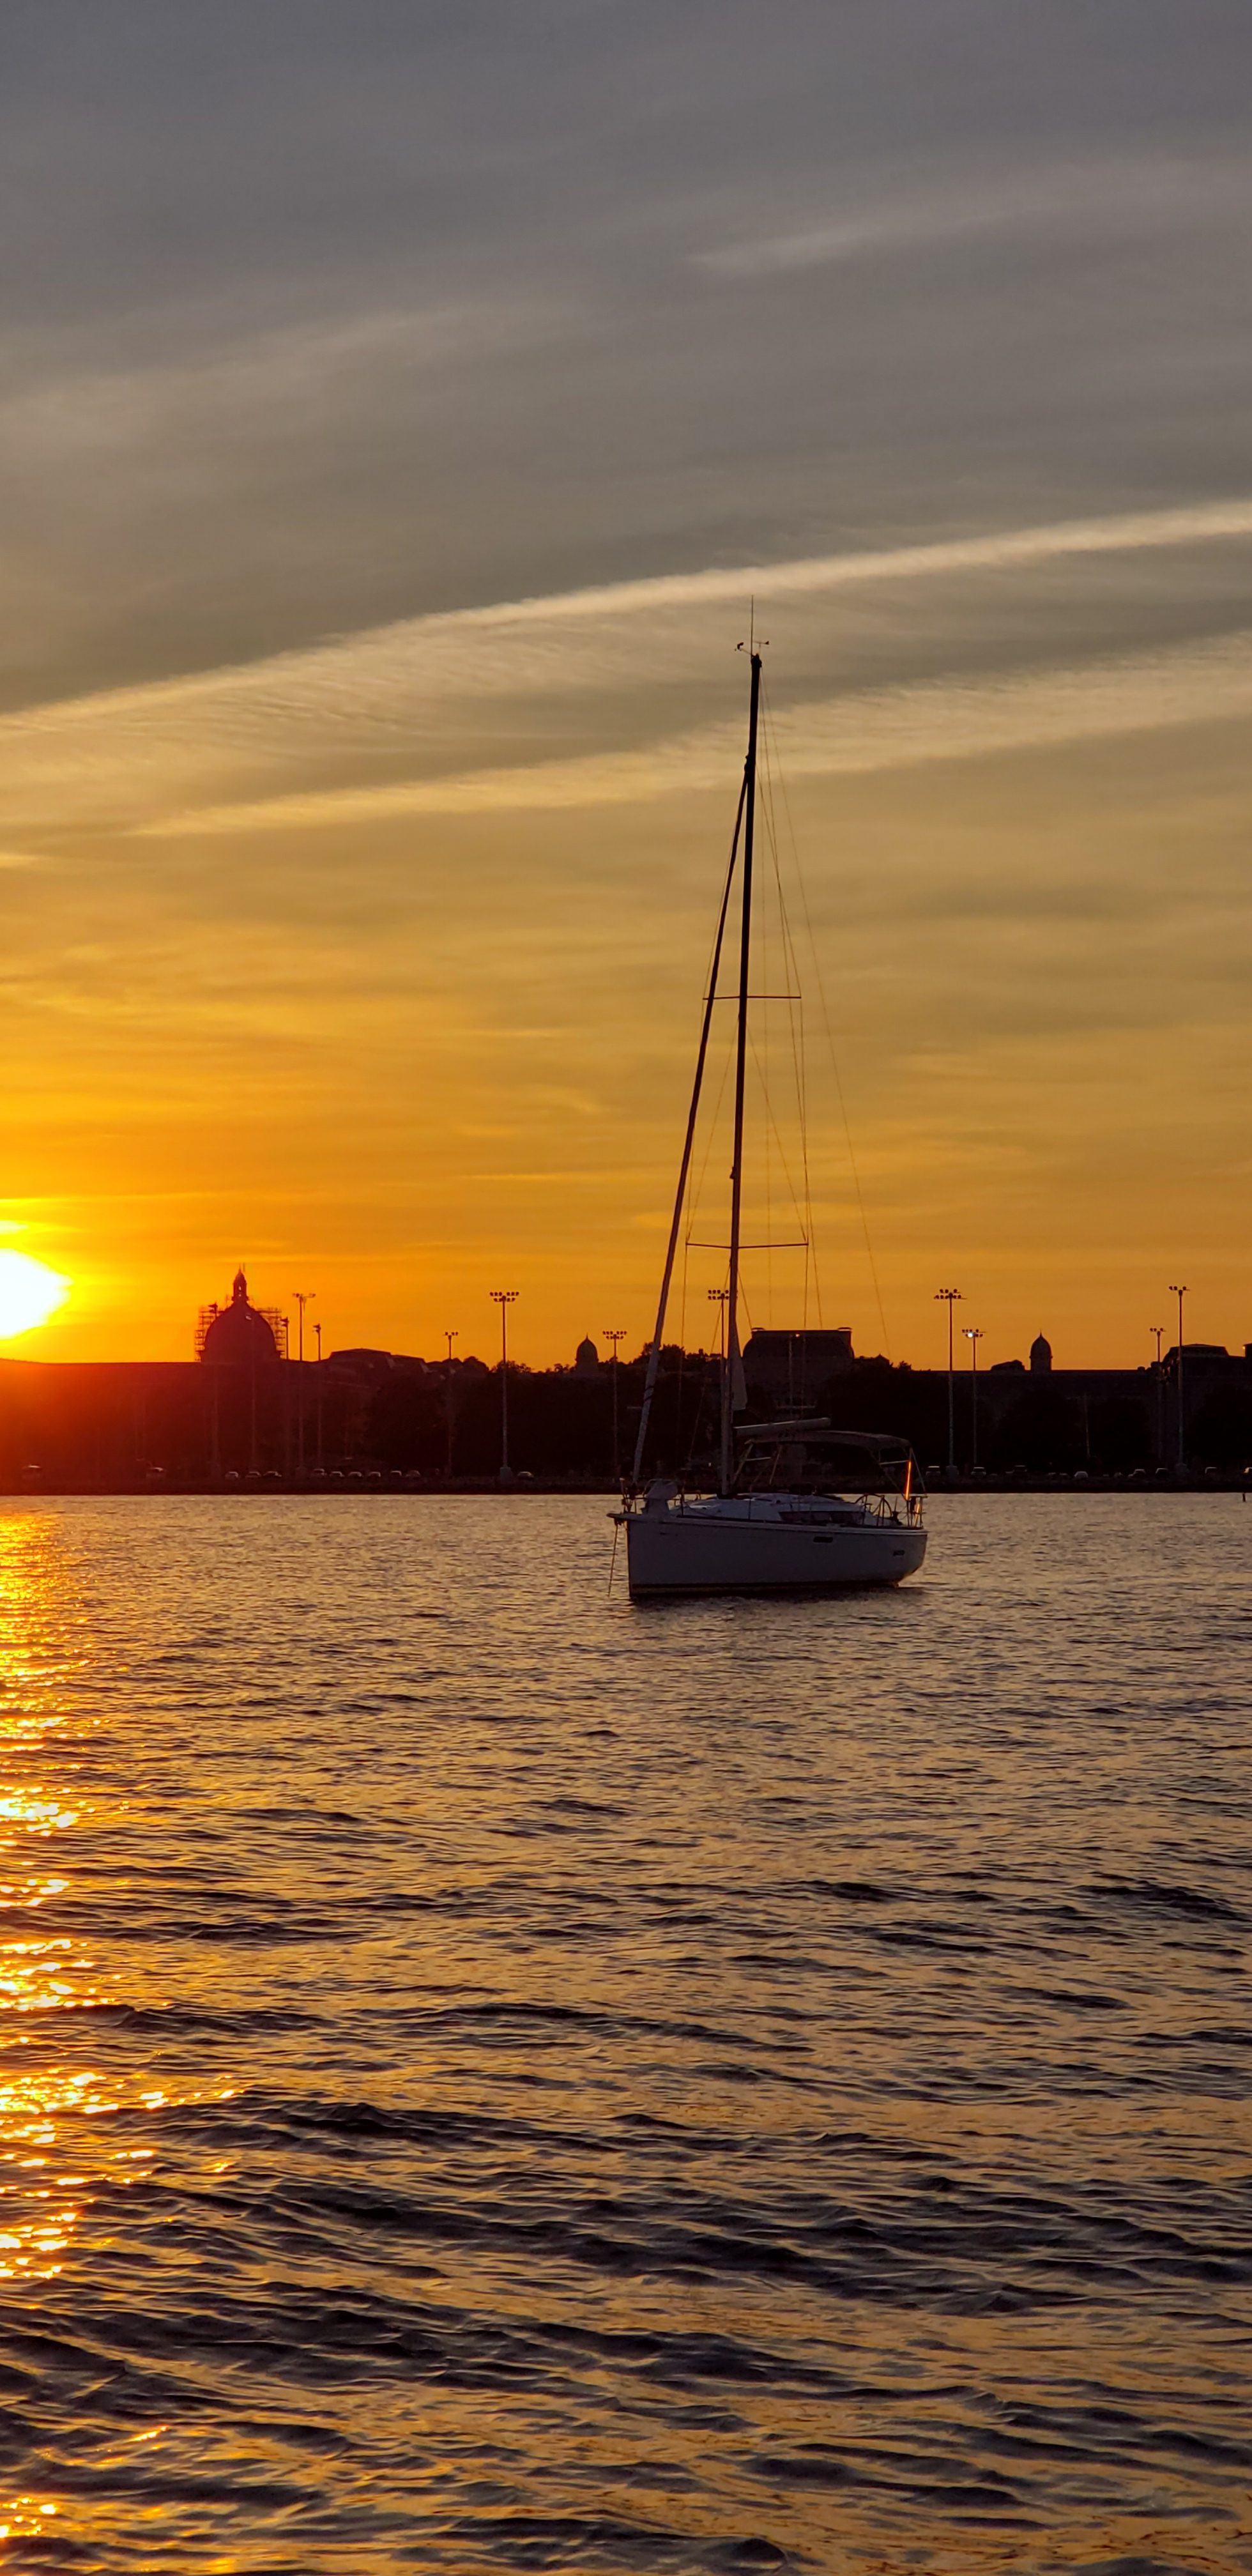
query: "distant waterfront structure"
241, 1333
121, 1424
586, 1358
789, 1367
1041, 1356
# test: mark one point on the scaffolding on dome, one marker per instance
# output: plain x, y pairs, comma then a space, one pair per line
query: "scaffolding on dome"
278, 1325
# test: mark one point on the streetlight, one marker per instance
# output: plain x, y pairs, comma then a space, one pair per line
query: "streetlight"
1180, 1293
615, 1334
950, 1297
1158, 1334
318, 1330
303, 1297
719, 1297
973, 1335
450, 1338
504, 1298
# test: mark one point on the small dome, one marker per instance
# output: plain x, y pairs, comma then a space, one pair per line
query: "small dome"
586, 1357
1040, 1356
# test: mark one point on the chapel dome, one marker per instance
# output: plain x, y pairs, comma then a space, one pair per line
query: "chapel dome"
1040, 1356
237, 1332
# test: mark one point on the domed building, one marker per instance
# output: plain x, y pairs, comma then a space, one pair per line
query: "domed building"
240, 1334
586, 1358
1040, 1356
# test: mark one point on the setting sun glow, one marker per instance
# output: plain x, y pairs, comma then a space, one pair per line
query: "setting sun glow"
29, 1293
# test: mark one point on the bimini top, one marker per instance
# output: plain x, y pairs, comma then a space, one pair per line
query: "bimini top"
817, 1426
796, 1452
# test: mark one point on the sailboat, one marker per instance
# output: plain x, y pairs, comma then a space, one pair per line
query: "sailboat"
797, 1505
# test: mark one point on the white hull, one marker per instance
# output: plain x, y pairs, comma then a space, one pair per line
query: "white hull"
699, 1548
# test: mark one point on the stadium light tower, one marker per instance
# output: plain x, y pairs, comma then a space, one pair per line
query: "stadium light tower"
973, 1335
1181, 1461
504, 1298
303, 1297
950, 1297
615, 1333
450, 1335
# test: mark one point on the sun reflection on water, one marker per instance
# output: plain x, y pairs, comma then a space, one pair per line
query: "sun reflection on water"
41, 1974
25, 2517
52, 2167
58, 2147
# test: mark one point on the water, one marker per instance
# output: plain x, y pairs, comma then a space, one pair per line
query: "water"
494, 2079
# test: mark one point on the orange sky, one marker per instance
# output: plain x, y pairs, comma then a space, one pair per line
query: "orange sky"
403, 1042
374, 716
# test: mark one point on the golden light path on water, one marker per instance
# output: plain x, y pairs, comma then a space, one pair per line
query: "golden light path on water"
56, 2146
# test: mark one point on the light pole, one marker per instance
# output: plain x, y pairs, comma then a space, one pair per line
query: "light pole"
973, 1335
450, 1338
303, 1297
504, 1298
717, 1297
615, 1334
318, 1330
1180, 1293
1158, 1334
950, 1297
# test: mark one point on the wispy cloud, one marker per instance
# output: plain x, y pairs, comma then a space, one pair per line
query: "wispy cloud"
854, 735
554, 700
56, 397
1070, 198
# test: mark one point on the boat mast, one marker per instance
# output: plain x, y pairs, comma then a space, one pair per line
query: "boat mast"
732, 1368
654, 1354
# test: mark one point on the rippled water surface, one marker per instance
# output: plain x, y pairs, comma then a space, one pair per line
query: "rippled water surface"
495, 2079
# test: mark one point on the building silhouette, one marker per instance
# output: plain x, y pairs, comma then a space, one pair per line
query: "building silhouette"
789, 1369
241, 1334
363, 1414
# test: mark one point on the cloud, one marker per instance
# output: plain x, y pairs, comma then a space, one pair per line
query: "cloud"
581, 696
235, 377
1074, 198
854, 735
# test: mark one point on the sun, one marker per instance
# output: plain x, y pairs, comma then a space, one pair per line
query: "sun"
29, 1293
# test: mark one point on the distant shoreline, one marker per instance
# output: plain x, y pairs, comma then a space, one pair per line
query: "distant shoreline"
434, 1489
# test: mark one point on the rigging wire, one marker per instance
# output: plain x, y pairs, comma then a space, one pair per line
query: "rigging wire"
798, 1052
682, 1354
772, 1129
834, 1060
696, 1187
654, 1349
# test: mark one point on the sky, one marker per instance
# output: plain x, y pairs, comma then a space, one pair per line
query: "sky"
400, 406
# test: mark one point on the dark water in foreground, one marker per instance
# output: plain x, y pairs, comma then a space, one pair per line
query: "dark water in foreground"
497, 2080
